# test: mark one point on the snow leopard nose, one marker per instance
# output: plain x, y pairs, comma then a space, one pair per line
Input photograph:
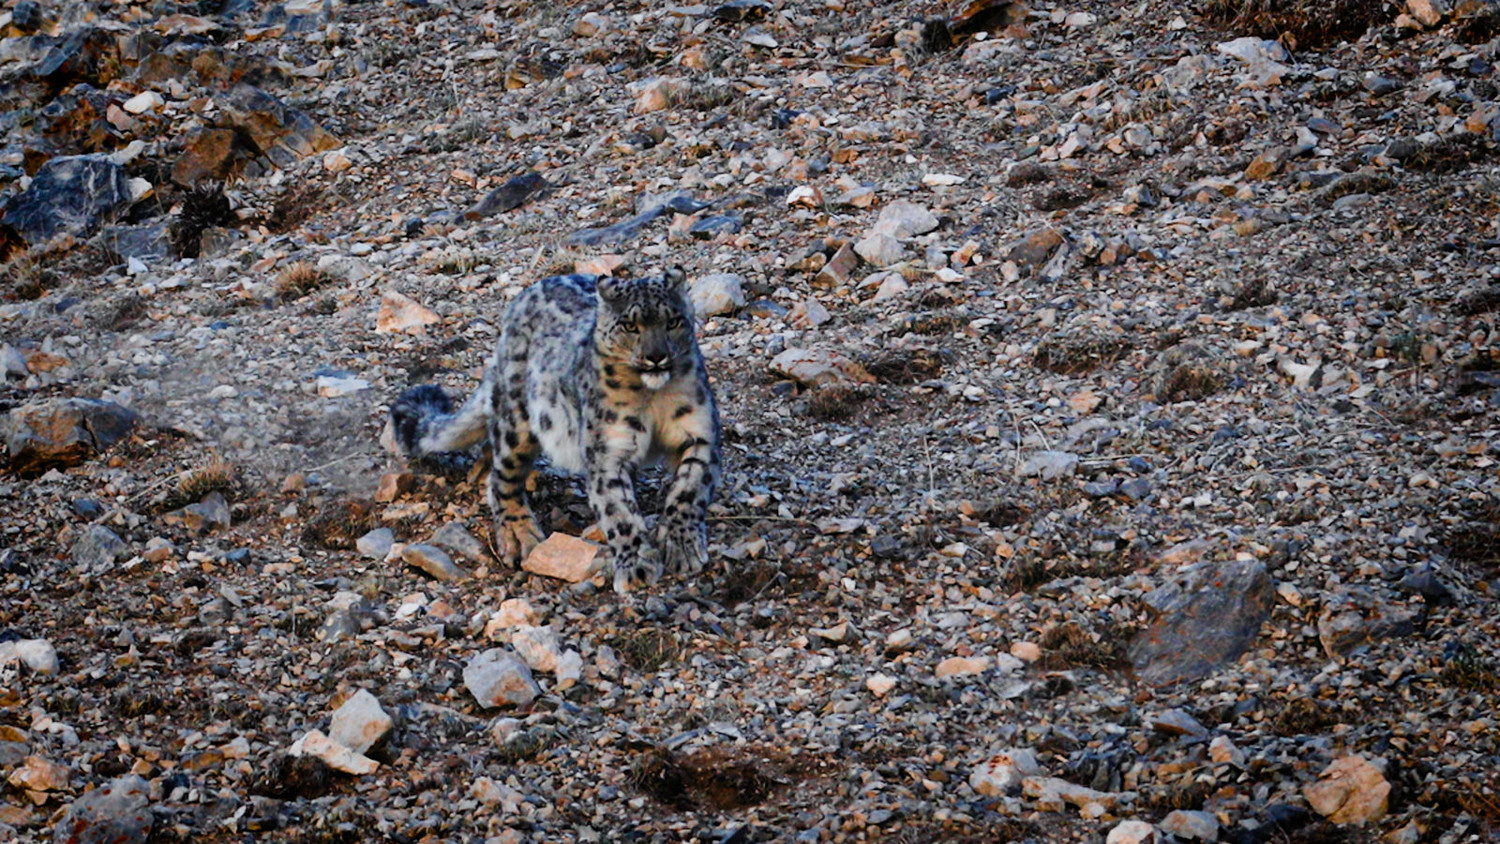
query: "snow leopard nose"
657, 355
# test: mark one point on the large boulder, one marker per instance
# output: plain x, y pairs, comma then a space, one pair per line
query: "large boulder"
63, 432
72, 194
1207, 615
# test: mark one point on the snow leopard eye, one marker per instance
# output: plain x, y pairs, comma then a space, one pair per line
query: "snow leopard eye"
674, 323
630, 328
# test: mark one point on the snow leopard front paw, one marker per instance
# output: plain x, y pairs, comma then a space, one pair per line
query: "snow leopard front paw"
515, 537
636, 568
684, 546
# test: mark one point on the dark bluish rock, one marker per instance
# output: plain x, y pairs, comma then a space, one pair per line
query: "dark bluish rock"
1206, 616
69, 195
516, 191
63, 432
711, 227
117, 812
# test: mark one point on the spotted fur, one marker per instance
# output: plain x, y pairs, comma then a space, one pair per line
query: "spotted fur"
603, 376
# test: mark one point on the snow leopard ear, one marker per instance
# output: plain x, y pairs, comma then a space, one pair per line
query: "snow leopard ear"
676, 276
610, 289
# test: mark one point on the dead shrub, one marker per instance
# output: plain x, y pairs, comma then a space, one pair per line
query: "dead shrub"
708, 778
907, 366
192, 485
649, 649
1074, 355
300, 278
1069, 646
1306, 24
836, 403
339, 523
1188, 382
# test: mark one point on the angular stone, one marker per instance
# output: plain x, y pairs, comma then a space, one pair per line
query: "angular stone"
212, 513
1349, 791
513, 612
38, 655
336, 756
1356, 616
63, 432
839, 269
393, 485
717, 293
1132, 832
1428, 13
456, 538
497, 677
97, 550
962, 666
1175, 722
1208, 614
333, 387
809, 313
278, 131
880, 250
1052, 794
70, 195
117, 812
997, 775
819, 368
657, 93
360, 722
1191, 825
401, 315
208, 154
1033, 250
569, 669
1223, 751
376, 544
512, 194
902, 219
709, 228
880, 684
563, 557
538, 646
40, 774
432, 560
1263, 167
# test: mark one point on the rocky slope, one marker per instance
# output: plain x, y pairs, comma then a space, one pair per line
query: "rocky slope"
1109, 396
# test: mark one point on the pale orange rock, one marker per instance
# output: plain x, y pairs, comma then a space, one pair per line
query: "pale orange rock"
402, 315
393, 485
961, 666
1350, 791
564, 557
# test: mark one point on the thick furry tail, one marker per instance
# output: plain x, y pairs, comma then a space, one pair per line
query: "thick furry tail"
424, 424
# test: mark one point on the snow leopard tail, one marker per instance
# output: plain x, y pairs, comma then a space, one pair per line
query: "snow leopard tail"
425, 426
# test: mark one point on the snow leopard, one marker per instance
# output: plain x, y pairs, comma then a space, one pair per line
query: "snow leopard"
603, 376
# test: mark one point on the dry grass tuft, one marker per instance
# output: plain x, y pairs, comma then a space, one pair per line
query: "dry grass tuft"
1074, 355
24, 277
1189, 382
339, 523
1069, 646
649, 649
1252, 293
1478, 300
214, 476
906, 366
709, 778
837, 403
300, 278
1300, 716
1305, 24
